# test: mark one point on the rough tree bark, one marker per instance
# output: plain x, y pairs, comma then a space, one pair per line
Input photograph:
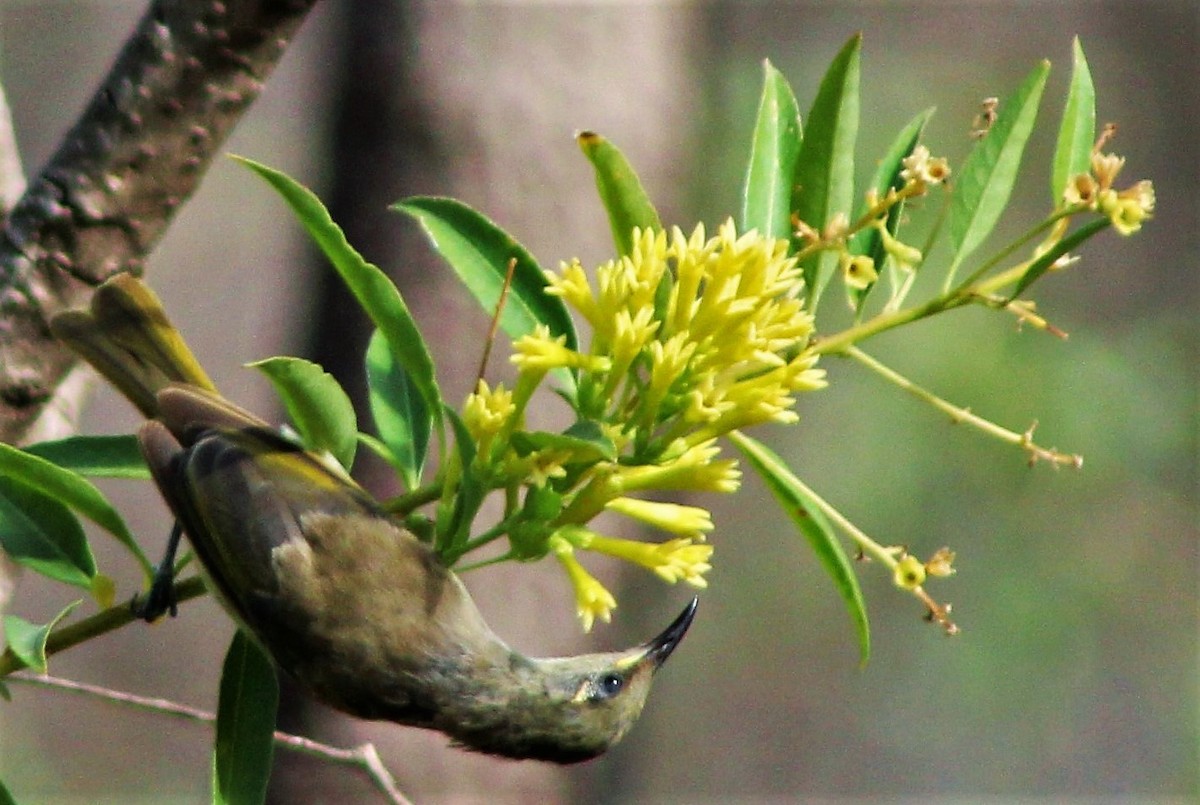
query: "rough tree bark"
110, 192
137, 153
139, 150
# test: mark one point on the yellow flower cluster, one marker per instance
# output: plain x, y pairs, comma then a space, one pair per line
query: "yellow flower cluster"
692, 337
675, 560
487, 413
704, 335
1127, 208
921, 170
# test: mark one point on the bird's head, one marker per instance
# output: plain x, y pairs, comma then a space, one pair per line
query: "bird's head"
570, 709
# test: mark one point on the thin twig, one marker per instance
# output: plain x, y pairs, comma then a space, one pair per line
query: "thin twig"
363, 756
958, 413
102, 622
106, 196
495, 325
12, 175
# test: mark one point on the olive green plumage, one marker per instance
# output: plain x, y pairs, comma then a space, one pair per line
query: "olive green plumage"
346, 601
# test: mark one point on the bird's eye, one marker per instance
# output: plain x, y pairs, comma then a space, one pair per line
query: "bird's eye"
609, 685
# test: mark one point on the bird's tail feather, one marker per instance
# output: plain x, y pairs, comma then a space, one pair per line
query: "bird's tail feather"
127, 337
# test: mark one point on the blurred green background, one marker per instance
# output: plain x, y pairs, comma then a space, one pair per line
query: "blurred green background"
1075, 677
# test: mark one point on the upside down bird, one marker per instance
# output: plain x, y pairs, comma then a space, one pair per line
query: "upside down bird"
354, 607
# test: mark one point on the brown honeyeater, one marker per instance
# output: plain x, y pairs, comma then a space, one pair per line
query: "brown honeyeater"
353, 606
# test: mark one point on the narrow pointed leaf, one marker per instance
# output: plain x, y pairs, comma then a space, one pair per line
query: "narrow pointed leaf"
72, 490
1042, 264
988, 176
824, 180
5, 797
317, 405
1077, 133
401, 418
887, 177
95, 456
620, 189
479, 251
793, 497
28, 640
377, 295
246, 711
774, 148
40, 533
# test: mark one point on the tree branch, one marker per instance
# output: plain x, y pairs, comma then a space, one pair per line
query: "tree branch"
364, 756
103, 622
186, 75
12, 175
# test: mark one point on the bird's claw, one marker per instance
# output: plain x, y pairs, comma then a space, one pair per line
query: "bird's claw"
160, 599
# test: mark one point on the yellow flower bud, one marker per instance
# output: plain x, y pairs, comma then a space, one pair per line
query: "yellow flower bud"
1081, 189
690, 521
1105, 168
672, 561
1128, 208
538, 351
592, 600
486, 411
906, 257
941, 563
923, 169
858, 271
909, 573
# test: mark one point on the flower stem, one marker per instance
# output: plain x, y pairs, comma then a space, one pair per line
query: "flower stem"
973, 289
495, 532
961, 414
998, 257
364, 756
868, 546
406, 503
840, 342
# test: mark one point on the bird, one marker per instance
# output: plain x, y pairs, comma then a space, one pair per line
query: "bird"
346, 601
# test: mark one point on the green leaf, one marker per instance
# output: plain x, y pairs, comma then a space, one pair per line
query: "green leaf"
824, 181
42, 534
103, 590
454, 526
376, 293
96, 456
1077, 133
317, 405
5, 797
383, 451
1042, 264
245, 724
795, 499
583, 440
27, 641
620, 190
72, 490
479, 251
529, 535
887, 177
401, 418
774, 148
988, 176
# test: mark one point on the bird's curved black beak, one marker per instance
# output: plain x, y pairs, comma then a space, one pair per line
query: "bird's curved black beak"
658, 649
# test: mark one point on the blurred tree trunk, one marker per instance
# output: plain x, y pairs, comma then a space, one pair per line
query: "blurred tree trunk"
456, 100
